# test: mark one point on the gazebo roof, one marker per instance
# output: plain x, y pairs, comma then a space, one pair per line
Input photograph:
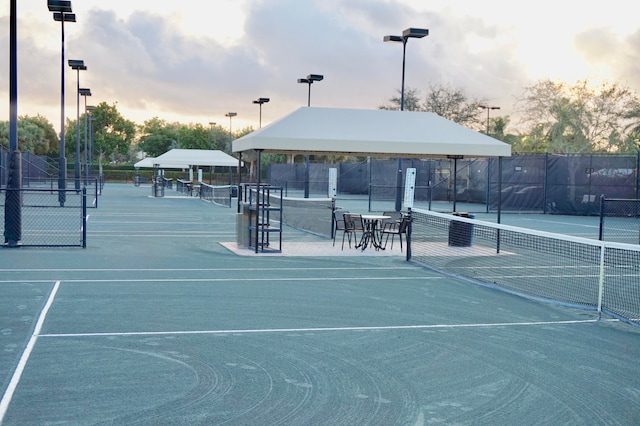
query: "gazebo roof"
381, 133
186, 158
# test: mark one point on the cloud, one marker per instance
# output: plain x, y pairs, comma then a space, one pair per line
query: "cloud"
618, 54
147, 60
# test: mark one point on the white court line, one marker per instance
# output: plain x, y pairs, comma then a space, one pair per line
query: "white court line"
6, 398
346, 268
583, 225
316, 329
252, 279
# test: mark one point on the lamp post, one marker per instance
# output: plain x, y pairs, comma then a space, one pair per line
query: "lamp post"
85, 92
62, 13
211, 124
309, 80
488, 108
230, 115
404, 38
13, 195
90, 108
261, 101
77, 65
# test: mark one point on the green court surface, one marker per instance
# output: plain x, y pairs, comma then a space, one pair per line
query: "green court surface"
157, 322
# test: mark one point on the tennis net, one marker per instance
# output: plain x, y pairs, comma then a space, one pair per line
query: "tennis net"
572, 271
313, 215
217, 194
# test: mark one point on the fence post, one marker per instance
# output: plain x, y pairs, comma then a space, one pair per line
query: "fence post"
638, 175
84, 217
13, 201
96, 193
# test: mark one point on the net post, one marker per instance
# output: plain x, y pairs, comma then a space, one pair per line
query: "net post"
333, 213
408, 235
602, 208
601, 280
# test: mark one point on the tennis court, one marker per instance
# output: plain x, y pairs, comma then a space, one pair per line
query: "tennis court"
156, 322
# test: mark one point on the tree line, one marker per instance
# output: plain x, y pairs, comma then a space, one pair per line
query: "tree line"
554, 117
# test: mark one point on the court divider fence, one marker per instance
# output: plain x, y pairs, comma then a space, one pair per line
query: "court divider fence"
577, 272
41, 220
620, 220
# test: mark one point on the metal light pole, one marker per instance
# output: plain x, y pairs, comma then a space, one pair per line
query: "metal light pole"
85, 92
211, 124
261, 101
91, 119
78, 65
406, 35
13, 195
309, 80
230, 115
488, 108
62, 13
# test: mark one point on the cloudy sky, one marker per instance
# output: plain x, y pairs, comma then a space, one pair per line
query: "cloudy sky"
192, 61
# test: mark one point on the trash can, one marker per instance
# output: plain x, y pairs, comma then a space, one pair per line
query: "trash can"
242, 226
461, 233
158, 186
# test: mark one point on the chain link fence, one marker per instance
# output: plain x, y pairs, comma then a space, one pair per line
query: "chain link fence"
537, 183
37, 218
620, 220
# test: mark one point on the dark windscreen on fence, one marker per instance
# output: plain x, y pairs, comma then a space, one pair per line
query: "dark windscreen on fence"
539, 183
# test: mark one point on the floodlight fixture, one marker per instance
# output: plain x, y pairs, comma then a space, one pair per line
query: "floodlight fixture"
415, 33
392, 38
77, 64
63, 6
64, 17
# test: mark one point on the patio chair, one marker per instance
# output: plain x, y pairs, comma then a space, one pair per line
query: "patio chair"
395, 228
338, 222
352, 225
394, 217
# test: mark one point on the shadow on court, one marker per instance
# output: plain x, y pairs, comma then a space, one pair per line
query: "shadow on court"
157, 323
